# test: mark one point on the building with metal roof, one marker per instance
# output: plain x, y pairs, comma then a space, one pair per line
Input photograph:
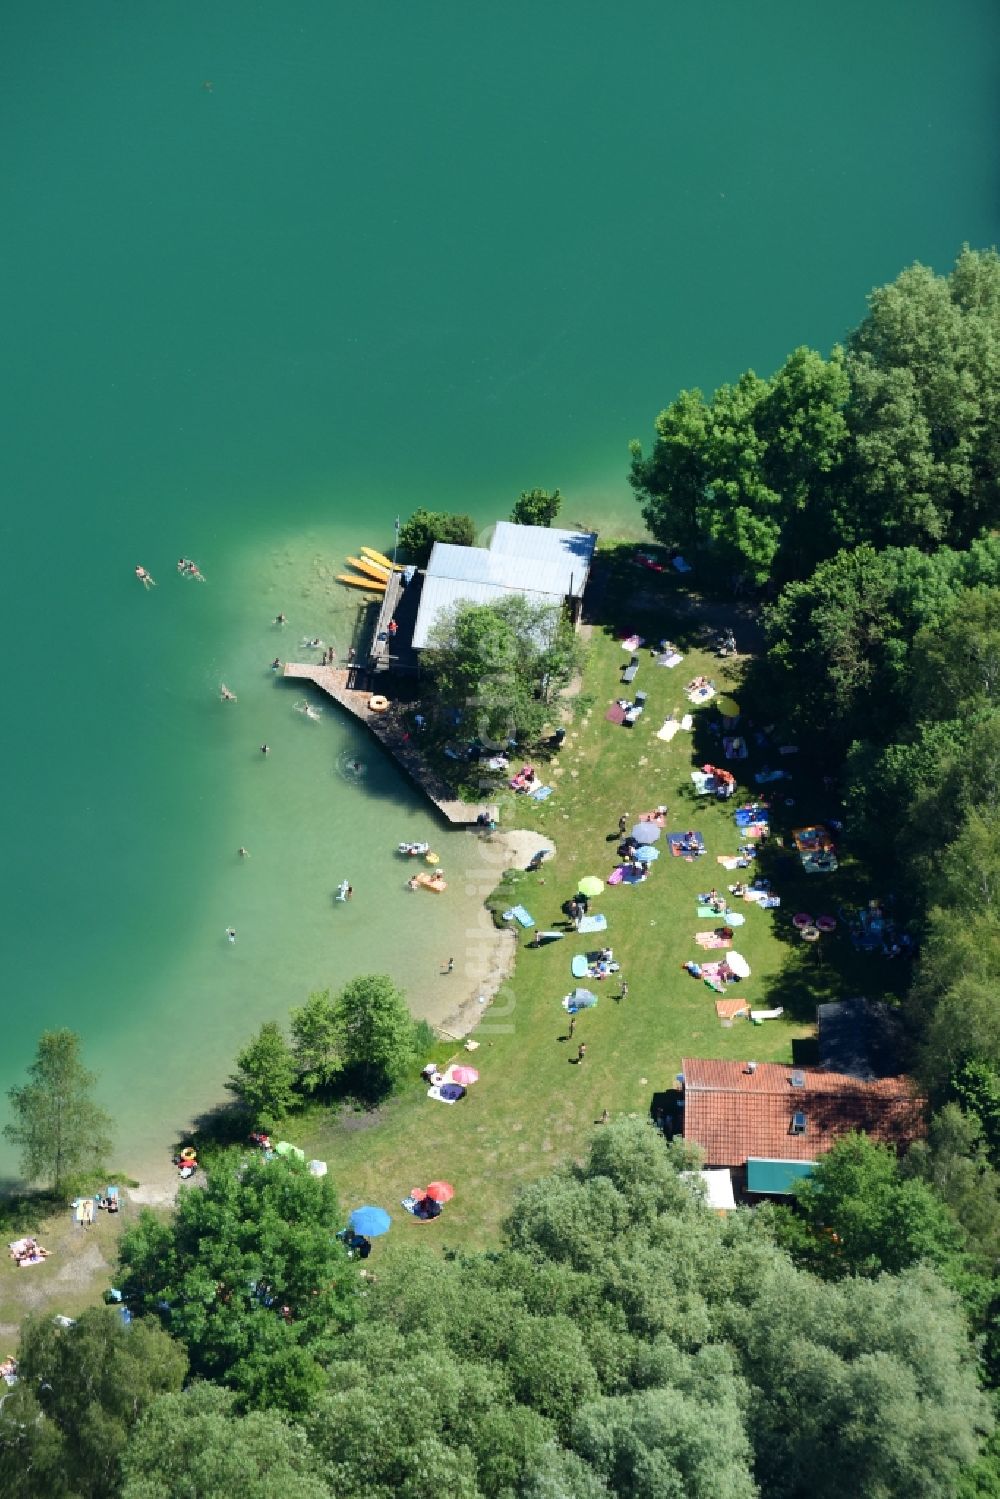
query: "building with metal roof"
543, 565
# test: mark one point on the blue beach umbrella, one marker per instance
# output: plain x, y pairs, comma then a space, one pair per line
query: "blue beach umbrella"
647, 854
646, 832
370, 1222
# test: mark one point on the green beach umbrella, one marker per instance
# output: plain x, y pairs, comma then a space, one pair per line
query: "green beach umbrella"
283, 1147
590, 885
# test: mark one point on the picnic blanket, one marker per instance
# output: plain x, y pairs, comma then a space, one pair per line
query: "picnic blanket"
731, 1009
823, 862
669, 729
669, 658
712, 940
747, 816
595, 923
541, 793
730, 918
615, 714
518, 913
731, 861
706, 911
676, 839
700, 695
580, 966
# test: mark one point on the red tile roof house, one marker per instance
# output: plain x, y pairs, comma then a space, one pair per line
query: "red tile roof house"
773, 1122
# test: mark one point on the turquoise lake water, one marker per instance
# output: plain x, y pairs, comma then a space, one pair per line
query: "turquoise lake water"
274, 273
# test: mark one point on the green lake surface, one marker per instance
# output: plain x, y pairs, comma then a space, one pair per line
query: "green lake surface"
273, 273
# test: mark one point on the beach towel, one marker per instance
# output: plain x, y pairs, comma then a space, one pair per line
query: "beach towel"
518, 913
731, 1009
669, 659
541, 793
615, 714
705, 912
595, 923
632, 642
755, 831
728, 861
700, 695
580, 967
616, 876
675, 840
819, 863
687, 723
438, 1096
669, 729
712, 940
744, 817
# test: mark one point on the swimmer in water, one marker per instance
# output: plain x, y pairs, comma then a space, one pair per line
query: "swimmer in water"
182, 564
281, 619
313, 645
194, 571
276, 664
244, 853
145, 578
231, 933
226, 695
265, 749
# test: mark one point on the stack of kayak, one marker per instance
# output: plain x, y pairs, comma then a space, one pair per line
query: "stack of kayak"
371, 570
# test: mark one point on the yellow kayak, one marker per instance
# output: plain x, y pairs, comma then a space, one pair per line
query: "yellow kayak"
381, 559
355, 582
371, 569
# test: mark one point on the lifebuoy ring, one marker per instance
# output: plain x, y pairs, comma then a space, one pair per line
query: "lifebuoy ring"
378, 704
189, 1153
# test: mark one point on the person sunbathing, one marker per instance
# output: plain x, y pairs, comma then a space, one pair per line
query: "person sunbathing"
697, 684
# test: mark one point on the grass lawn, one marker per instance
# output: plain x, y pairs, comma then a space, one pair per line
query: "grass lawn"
533, 1107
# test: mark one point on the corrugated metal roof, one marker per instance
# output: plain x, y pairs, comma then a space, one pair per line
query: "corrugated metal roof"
477, 565
777, 1178
567, 554
441, 593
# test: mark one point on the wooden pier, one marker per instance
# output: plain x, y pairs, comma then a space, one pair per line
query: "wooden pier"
334, 681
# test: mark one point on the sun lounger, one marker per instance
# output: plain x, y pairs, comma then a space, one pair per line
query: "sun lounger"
519, 914
631, 671
758, 1015
595, 923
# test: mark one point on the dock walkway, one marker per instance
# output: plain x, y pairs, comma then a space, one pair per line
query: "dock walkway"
334, 680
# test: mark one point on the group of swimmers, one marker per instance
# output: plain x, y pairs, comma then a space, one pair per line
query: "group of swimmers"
189, 569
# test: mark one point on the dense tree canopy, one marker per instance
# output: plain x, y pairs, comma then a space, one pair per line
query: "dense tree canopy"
81, 1389
265, 1076
59, 1129
536, 507
894, 440
500, 665
424, 527
248, 1276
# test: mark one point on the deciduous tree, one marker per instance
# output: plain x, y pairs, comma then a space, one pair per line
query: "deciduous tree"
424, 527
61, 1132
536, 507
265, 1076
375, 1034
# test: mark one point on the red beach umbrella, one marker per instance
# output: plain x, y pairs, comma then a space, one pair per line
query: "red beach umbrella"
440, 1191
465, 1075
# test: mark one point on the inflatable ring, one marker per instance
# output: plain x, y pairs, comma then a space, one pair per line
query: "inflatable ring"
189, 1153
432, 858
378, 704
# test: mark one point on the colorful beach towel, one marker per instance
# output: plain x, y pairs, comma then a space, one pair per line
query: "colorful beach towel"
518, 913
595, 923
712, 940
676, 839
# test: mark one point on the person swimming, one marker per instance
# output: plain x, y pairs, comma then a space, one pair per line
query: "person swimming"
281, 619
313, 645
276, 664
344, 891
145, 578
308, 710
225, 694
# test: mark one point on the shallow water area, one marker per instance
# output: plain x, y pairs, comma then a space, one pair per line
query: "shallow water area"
276, 277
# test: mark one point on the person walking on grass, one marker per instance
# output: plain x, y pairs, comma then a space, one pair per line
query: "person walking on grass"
572, 1028
622, 824
623, 991
581, 1052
